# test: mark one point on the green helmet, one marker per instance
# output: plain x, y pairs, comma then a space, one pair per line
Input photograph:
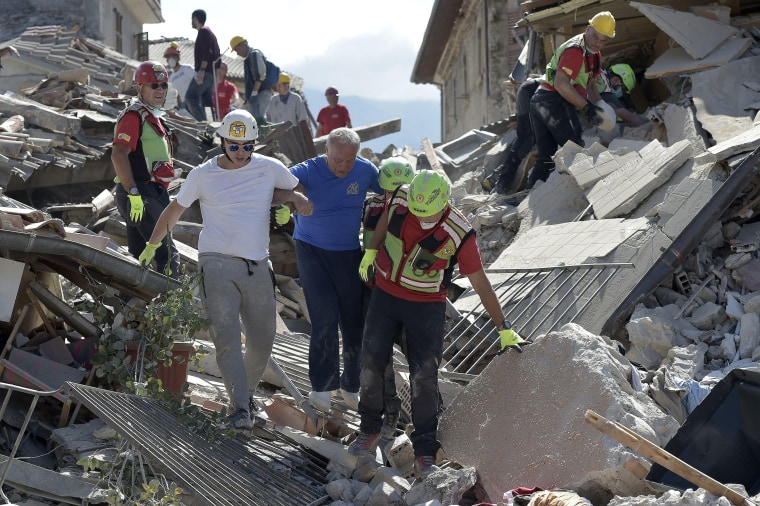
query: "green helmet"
429, 193
394, 172
625, 72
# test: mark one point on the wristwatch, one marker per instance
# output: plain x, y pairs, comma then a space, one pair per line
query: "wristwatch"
506, 325
134, 191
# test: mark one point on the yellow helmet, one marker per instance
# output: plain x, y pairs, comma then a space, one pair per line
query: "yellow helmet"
284, 78
234, 41
604, 23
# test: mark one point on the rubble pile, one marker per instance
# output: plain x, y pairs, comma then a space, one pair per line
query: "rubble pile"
670, 205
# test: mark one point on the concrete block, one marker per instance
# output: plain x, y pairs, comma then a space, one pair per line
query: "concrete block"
363, 495
385, 495
392, 477
447, 486
341, 490
366, 467
401, 455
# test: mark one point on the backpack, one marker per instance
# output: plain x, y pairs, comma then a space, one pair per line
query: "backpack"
273, 73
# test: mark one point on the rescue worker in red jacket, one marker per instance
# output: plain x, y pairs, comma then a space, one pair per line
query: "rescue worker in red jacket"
142, 159
568, 86
419, 240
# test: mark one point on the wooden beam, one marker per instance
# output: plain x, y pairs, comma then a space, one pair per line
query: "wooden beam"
366, 133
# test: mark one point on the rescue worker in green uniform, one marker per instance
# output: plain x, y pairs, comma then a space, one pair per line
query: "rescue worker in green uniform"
419, 240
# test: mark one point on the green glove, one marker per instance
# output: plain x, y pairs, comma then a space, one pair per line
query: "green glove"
508, 338
282, 215
136, 208
367, 260
146, 257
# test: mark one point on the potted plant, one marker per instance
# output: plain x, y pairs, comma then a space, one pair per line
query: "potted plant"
147, 349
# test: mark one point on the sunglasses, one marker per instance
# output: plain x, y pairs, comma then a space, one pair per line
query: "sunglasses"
155, 86
236, 147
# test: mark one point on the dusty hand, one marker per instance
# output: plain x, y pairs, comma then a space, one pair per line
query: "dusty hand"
593, 113
366, 263
508, 338
136, 208
146, 257
254, 93
282, 215
199, 76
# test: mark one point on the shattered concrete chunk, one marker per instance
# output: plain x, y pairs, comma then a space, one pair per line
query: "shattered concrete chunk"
447, 486
385, 495
708, 316
546, 390
341, 490
749, 335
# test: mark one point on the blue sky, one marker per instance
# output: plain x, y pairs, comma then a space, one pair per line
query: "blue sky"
365, 48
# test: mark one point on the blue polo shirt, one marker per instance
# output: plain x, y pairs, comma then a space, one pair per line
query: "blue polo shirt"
338, 203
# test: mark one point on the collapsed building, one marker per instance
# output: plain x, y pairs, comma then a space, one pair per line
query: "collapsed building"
633, 268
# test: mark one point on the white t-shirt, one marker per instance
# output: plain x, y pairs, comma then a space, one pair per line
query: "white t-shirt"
235, 204
181, 78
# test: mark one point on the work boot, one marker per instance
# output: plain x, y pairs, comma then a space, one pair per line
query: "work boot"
424, 465
350, 398
239, 420
320, 400
489, 182
364, 443
390, 422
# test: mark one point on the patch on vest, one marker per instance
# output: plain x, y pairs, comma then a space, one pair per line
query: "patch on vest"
567, 71
124, 137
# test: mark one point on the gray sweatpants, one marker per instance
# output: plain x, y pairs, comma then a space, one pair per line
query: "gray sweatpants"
235, 289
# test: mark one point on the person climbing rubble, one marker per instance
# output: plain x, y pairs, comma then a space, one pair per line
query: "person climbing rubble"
418, 241
568, 86
236, 190
394, 172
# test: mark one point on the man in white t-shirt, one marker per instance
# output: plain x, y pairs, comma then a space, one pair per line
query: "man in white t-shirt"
236, 191
179, 77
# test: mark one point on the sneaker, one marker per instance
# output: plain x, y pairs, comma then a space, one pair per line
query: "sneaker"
320, 400
239, 420
364, 443
351, 399
424, 465
390, 422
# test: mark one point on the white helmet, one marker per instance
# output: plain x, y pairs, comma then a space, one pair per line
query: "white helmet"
239, 125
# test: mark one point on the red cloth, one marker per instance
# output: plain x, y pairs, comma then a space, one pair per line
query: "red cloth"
128, 130
226, 91
570, 62
333, 117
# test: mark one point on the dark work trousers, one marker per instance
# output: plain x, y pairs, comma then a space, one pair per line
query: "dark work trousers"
523, 142
555, 121
155, 199
424, 325
392, 401
333, 291
198, 96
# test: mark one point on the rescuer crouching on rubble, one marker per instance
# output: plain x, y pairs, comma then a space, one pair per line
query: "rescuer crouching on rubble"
418, 241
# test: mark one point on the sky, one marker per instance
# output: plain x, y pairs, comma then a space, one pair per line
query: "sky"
365, 48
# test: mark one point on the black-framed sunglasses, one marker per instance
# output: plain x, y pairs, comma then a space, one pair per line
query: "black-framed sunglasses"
155, 86
236, 147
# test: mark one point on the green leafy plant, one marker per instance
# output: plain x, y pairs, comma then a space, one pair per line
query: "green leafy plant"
151, 332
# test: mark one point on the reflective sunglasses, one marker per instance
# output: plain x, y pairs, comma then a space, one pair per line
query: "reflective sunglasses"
155, 86
236, 147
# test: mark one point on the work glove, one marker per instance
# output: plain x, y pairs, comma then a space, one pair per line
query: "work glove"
282, 215
146, 257
593, 113
508, 338
254, 93
136, 208
366, 263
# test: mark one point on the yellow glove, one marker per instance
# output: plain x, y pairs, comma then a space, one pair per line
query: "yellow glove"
282, 215
367, 260
508, 338
136, 208
146, 257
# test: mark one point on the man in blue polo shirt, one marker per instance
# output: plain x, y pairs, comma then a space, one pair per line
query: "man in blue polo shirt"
328, 253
